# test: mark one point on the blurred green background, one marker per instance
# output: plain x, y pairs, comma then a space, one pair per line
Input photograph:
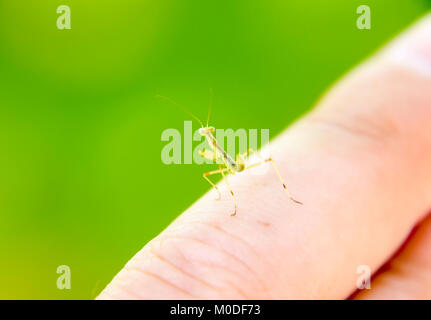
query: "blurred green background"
81, 179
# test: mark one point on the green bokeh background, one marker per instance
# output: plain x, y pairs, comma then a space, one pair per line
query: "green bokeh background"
81, 179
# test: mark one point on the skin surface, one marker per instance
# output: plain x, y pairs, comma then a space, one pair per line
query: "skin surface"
361, 164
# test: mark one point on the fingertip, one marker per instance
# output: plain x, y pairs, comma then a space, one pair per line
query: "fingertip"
413, 48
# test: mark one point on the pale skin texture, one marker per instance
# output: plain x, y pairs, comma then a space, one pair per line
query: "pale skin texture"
361, 164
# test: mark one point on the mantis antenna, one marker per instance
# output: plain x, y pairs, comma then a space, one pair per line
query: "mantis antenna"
210, 105
181, 108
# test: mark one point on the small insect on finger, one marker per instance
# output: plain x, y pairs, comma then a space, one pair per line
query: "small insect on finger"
218, 153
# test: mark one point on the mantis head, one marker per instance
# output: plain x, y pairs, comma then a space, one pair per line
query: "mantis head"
206, 130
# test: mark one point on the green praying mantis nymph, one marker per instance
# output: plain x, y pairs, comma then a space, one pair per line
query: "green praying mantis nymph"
229, 165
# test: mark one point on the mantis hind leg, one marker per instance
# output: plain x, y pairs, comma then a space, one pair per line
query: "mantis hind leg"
278, 174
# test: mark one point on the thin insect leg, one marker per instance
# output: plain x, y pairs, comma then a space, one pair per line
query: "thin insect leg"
278, 174
231, 192
212, 183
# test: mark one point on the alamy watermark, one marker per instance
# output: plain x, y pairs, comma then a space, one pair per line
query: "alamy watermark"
64, 280
363, 22
364, 280
181, 148
64, 20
